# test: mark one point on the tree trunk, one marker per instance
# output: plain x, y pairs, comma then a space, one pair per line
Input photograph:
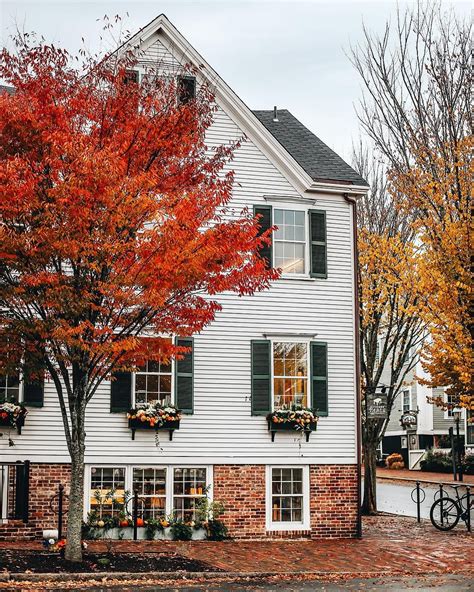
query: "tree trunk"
369, 504
76, 505
77, 407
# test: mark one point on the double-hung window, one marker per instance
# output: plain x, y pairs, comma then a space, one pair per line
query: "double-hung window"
153, 382
9, 387
150, 484
107, 491
406, 400
189, 487
290, 374
290, 241
287, 498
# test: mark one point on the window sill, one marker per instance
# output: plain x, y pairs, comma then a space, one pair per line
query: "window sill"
287, 526
301, 278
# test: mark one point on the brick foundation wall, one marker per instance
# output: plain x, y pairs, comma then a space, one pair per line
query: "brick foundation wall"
241, 488
44, 481
333, 501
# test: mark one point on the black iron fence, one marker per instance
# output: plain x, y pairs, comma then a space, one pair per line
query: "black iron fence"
15, 490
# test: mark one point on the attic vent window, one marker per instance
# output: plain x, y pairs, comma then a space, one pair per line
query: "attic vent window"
186, 89
131, 76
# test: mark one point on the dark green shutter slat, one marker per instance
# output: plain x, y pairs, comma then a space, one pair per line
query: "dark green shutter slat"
317, 223
33, 390
33, 393
319, 377
265, 222
121, 392
261, 377
184, 377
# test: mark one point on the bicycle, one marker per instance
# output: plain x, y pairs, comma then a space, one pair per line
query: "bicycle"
446, 512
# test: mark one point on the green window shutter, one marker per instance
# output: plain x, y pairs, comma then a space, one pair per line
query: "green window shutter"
318, 251
265, 213
319, 377
261, 377
33, 389
184, 377
33, 393
121, 392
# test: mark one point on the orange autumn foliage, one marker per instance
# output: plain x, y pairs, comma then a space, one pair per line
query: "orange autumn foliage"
441, 196
114, 214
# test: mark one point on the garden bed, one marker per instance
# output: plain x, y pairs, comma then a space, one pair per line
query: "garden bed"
16, 561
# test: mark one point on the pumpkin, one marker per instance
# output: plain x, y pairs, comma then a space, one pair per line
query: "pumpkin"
140, 522
101, 524
123, 523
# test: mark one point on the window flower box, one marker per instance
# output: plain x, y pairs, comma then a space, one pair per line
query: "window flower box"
299, 419
154, 416
12, 415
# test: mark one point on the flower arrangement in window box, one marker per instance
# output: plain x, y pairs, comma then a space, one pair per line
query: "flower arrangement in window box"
296, 418
154, 416
12, 415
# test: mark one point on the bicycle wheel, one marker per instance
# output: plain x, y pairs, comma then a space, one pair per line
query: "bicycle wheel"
445, 513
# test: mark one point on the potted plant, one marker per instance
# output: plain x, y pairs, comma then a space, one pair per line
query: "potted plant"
154, 416
295, 417
12, 415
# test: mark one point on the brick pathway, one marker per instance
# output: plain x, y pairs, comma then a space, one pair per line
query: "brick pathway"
391, 545
406, 475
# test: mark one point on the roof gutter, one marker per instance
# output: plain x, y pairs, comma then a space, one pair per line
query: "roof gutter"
346, 190
352, 200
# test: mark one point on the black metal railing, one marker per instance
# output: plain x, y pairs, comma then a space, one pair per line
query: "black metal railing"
15, 490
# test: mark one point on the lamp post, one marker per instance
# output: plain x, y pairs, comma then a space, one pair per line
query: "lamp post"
457, 448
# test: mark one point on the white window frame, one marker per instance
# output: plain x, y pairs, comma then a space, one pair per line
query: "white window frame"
449, 413
173, 372
287, 526
305, 210
406, 390
134, 374
305, 341
129, 479
4, 472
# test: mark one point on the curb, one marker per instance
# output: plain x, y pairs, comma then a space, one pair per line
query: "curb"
413, 480
199, 575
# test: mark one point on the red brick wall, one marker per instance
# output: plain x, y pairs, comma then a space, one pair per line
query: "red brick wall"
241, 488
333, 501
44, 481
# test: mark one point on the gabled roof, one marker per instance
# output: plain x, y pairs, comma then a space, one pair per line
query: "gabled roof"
286, 156
317, 159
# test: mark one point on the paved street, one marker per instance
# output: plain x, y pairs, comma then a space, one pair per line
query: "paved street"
449, 583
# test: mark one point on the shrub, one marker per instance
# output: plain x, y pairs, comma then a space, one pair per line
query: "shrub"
437, 462
181, 531
395, 461
216, 530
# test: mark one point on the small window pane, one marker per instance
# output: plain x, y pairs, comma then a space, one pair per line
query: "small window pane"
278, 217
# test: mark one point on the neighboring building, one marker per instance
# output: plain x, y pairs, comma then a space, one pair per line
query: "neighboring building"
292, 343
432, 425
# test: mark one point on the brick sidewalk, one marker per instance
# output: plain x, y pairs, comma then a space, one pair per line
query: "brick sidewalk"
406, 475
391, 545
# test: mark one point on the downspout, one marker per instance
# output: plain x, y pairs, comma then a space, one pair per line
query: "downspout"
352, 200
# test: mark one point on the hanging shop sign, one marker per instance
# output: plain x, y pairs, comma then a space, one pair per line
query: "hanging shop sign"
377, 406
409, 420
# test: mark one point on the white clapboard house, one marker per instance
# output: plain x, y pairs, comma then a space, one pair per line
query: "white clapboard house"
292, 344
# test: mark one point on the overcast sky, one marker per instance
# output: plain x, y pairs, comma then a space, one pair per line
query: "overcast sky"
285, 53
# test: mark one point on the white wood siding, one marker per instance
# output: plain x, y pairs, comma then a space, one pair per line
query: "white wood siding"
222, 429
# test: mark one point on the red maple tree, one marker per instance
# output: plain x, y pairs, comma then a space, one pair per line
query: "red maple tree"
115, 223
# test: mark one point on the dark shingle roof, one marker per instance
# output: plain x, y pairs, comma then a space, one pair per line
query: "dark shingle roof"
313, 155
8, 89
